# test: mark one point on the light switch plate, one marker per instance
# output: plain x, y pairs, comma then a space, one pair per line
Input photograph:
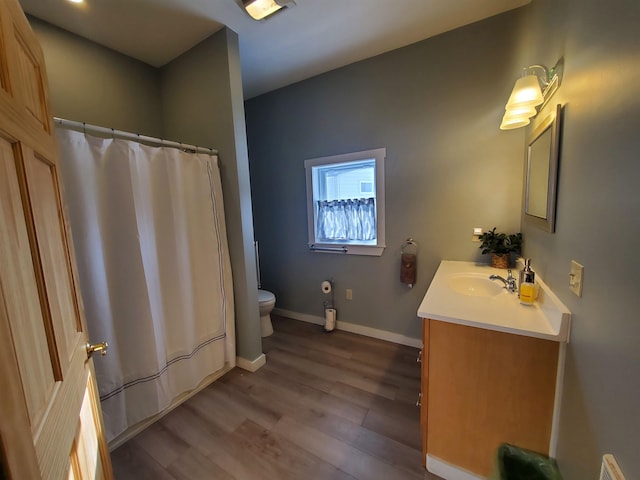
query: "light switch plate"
575, 278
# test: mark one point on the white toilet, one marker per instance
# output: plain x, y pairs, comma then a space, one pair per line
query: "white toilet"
266, 301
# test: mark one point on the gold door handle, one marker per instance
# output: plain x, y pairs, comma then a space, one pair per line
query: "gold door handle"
97, 347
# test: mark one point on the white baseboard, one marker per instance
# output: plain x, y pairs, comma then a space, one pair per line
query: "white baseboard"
353, 328
448, 471
251, 365
132, 431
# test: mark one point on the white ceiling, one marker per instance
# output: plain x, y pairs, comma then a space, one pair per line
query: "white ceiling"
312, 37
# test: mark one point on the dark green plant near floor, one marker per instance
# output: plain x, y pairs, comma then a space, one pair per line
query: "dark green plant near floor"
500, 243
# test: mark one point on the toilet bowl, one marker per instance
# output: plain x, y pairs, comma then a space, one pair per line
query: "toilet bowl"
266, 301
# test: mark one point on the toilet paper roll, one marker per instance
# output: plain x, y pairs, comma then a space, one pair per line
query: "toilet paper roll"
330, 319
326, 287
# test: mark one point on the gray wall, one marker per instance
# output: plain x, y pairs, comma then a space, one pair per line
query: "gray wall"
436, 107
598, 223
93, 84
450, 169
203, 105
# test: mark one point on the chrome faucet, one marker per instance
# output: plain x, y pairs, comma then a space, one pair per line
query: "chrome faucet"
509, 282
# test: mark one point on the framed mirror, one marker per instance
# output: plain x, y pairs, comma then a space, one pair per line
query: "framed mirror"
541, 172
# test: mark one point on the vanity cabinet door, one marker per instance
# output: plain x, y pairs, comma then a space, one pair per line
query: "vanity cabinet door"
486, 388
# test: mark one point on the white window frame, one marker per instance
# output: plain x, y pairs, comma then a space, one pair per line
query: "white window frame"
379, 155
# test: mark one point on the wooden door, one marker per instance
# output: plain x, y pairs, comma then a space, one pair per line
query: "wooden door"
50, 419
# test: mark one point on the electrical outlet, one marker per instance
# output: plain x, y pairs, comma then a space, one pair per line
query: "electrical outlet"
477, 231
349, 294
575, 278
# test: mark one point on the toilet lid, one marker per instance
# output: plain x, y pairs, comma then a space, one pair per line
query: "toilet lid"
265, 296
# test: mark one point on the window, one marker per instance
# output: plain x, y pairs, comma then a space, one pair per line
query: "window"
345, 202
366, 187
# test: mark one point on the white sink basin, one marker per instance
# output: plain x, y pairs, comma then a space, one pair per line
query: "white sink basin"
462, 293
475, 285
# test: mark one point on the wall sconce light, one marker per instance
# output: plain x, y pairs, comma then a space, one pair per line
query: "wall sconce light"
531, 92
261, 9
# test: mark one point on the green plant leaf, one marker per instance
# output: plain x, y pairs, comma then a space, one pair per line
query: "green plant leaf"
499, 242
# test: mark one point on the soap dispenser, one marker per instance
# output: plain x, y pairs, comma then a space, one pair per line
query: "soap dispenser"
527, 287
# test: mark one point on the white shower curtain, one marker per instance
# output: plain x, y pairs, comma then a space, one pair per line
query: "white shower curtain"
155, 275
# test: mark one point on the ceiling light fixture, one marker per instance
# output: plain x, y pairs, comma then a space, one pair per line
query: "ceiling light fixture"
531, 92
261, 9
76, 1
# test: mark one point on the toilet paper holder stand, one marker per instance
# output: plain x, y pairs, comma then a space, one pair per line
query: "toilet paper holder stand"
328, 303
329, 308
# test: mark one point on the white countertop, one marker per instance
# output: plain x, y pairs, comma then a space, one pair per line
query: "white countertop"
548, 318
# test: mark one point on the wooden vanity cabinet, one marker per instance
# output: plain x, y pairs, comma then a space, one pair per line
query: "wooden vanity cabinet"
481, 388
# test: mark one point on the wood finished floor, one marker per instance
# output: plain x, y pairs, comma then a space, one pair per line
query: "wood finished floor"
325, 406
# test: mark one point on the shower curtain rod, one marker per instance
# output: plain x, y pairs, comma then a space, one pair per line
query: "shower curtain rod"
85, 127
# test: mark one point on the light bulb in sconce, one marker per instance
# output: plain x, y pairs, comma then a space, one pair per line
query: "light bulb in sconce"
526, 112
517, 117
513, 121
526, 93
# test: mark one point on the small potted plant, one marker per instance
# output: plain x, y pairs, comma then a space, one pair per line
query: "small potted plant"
500, 246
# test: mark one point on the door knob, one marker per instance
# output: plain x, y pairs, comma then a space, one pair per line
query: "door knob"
97, 347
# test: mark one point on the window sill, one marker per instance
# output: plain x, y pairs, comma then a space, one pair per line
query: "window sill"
370, 250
